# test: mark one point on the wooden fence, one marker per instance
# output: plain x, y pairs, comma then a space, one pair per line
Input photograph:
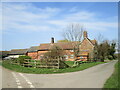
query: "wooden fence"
54, 63
47, 63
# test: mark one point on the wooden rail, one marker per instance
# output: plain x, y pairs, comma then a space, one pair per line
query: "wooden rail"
54, 63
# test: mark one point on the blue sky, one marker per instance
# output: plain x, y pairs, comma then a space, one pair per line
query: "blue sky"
29, 24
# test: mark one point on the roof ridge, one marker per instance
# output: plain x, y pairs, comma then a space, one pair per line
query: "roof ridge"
18, 49
90, 41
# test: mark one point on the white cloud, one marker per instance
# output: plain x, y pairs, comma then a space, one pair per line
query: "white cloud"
100, 26
26, 17
80, 16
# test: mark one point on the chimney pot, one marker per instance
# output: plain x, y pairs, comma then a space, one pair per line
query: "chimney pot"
52, 40
85, 34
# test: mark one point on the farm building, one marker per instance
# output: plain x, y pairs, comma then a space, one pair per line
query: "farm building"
66, 46
33, 52
86, 48
4, 54
15, 53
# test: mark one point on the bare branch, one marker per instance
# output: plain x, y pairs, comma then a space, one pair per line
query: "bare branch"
74, 32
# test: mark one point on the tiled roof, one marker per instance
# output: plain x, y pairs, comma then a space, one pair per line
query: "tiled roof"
18, 51
33, 49
92, 41
63, 45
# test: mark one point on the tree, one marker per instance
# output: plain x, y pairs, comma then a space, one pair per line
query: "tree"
106, 50
112, 50
55, 57
54, 53
73, 32
102, 49
100, 38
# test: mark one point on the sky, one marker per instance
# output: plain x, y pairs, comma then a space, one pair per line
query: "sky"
26, 24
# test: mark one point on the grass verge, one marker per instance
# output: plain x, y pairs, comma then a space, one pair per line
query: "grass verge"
19, 68
112, 82
0, 63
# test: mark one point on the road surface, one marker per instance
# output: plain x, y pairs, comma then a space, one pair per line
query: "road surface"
93, 77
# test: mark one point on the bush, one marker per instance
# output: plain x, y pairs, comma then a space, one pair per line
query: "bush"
76, 63
21, 59
110, 57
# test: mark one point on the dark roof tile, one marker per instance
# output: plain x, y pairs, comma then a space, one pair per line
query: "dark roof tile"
63, 45
33, 49
18, 51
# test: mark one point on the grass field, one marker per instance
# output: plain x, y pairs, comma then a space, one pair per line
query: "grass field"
112, 82
19, 68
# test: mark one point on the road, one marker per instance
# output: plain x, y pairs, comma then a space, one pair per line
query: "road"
93, 77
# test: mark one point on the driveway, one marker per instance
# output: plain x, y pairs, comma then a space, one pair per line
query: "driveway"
93, 77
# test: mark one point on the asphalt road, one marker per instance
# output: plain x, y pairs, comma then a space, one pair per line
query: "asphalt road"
93, 77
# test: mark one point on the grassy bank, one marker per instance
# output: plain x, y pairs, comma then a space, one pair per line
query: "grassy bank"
0, 63
19, 68
112, 82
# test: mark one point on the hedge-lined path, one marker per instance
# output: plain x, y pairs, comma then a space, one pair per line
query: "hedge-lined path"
93, 77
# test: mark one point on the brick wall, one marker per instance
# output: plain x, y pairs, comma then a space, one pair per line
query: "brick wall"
41, 53
66, 52
86, 46
33, 55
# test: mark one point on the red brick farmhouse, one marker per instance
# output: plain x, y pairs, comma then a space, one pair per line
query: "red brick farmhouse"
87, 48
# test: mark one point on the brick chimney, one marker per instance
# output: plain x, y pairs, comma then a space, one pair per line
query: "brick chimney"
85, 34
52, 40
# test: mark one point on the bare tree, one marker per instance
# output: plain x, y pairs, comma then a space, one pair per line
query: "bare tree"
73, 32
100, 38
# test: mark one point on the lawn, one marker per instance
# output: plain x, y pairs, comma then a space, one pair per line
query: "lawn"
70, 63
19, 68
112, 82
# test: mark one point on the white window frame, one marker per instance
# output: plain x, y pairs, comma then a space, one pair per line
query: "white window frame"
81, 57
72, 56
66, 56
71, 50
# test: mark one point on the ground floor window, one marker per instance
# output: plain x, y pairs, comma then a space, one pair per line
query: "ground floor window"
66, 56
71, 50
72, 56
81, 57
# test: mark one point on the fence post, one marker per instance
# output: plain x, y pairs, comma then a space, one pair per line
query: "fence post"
35, 63
58, 63
28, 62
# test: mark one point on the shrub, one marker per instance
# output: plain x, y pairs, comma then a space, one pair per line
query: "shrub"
21, 59
110, 57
